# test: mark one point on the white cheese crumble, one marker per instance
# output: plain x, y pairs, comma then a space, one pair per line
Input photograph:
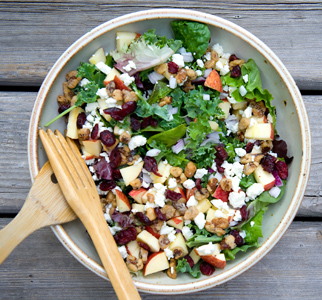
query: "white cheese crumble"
137, 141
199, 72
208, 249
91, 107
172, 183
102, 93
206, 97
252, 223
247, 112
237, 199
127, 79
245, 78
270, 118
237, 216
192, 201
240, 152
83, 82
178, 59
242, 234
189, 184
218, 48
168, 253
123, 251
252, 122
103, 67
187, 232
242, 91
131, 65
254, 190
201, 173
200, 63
200, 220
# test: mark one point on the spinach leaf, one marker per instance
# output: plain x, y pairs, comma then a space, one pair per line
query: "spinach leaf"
160, 90
169, 137
184, 267
267, 198
194, 36
255, 231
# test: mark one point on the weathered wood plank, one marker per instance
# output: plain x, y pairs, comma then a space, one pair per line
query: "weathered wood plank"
14, 174
40, 268
47, 28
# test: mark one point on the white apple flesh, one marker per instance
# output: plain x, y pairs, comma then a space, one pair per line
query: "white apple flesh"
156, 262
263, 177
147, 238
132, 172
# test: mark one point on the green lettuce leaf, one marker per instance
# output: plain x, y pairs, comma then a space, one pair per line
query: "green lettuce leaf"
267, 198
144, 110
154, 39
255, 231
184, 267
202, 237
87, 94
247, 181
231, 254
204, 156
169, 137
160, 90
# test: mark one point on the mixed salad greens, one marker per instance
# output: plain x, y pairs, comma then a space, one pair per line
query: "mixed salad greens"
180, 139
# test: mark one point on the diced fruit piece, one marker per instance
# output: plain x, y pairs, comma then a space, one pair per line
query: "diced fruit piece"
213, 81
181, 191
102, 104
195, 257
156, 262
237, 114
260, 120
72, 122
213, 125
216, 250
176, 222
87, 155
93, 147
111, 75
265, 178
218, 261
119, 84
147, 238
150, 230
98, 56
164, 170
203, 205
221, 194
138, 207
210, 214
132, 172
122, 201
125, 38
260, 131
179, 242
239, 105
138, 194
225, 107
133, 248
190, 192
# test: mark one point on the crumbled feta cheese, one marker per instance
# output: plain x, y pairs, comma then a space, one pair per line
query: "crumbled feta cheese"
187, 232
189, 184
231, 99
252, 122
242, 234
187, 222
170, 231
200, 63
218, 176
272, 153
168, 253
218, 48
114, 229
254, 190
208, 249
91, 107
137, 141
192, 201
199, 73
226, 88
235, 183
127, 79
247, 112
219, 214
107, 216
219, 65
90, 119
83, 82
252, 223
207, 56
237, 199
240, 152
149, 204
242, 91
224, 70
145, 184
201, 173
270, 118
123, 251
245, 78
206, 97
131, 65
178, 59
200, 220
102, 93
172, 183
88, 161
103, 67
237, 216
219, 204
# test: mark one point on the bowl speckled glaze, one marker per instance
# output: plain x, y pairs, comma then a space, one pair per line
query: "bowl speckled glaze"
292, 125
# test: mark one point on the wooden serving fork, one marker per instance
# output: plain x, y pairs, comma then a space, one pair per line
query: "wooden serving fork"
80, 192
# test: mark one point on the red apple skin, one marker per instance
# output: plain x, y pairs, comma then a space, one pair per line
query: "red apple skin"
269, 185
221, 194
182, 193
272, 132
213, 81
177, 220
149, 258
90, 157
214, 261
150, 230
122, 197
119, 84
190, 192
137, 194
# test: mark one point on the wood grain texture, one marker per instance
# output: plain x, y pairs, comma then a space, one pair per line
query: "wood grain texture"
40, 268
47, 28
15, 178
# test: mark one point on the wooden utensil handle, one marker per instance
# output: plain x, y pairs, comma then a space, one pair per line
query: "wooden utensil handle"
111, 258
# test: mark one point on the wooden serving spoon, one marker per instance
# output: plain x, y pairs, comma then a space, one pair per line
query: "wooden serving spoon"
45, 206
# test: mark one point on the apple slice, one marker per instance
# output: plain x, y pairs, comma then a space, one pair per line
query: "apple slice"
190, 192
213, 81
239, 105
122, 202
203, 205
213, 125
102, 105
164, 170
150, 230
260, 131
87, 155
110, 76
138, 194
225, 107
147, 238
72, 122
119, 84
195, 257
125, 38
218, 261
221, 194
132, 172
98, 56
93, 147
181, 191
265, 178
156, 262
138, 207
133, 248
179, 242
210, 214
176, 222
259, 120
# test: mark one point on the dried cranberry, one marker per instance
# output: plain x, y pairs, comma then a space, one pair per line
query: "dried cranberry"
123, 219
107, 138
135, 124
144, 219
146, 122
235, 72
125, 236
280, 148
233, 57
115, 158
221, 153
81, 119
95, 132
117, 174
173, 195
150, 164
206, 268
238, 239
219, 162
198, 184
244, 212
173, 68
116, 113
144, 246
129, 107
249, 147
282, 169
107, 185
160, 215
63, 107
189, 260
268, 163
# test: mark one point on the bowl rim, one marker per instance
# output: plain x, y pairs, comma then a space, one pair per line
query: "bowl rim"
211, 20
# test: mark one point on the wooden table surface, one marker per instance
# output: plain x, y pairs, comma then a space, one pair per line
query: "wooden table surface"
33, 34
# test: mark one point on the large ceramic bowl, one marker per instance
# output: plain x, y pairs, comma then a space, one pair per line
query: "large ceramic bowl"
292, 125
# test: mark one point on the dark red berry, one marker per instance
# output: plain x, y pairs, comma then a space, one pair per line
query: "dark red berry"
150, 164
173, 195
117, 174
244, 212
129, 107
160, 215
154, 123
107, 185
236, 72
146, 122
116, 113
115, 158
173, 68
249, 147
280, 148
144, 246
189, 260
107, 138
268, 163
198, 184
63, 107
144, 219
221, 153
81, 119
233, 57
125, 236
135, 124
206, 268
95, 132
238, 239
282, 169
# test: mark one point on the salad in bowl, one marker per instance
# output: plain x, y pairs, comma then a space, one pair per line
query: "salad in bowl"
180, 139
